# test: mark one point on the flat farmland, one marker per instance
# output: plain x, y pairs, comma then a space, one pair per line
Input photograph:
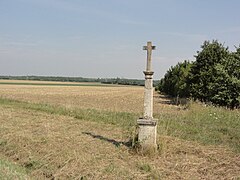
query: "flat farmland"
56, 130
94, 96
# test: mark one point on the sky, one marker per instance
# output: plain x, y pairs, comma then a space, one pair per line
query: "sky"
105, 38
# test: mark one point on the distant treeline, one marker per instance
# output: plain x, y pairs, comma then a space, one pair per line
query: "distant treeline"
120, 81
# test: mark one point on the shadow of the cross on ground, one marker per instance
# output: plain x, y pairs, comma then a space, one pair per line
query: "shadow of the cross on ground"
112, 141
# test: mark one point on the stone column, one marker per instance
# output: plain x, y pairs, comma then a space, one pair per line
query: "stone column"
147, 126
148, 95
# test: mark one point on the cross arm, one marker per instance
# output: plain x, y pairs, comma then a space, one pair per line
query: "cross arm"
146, 47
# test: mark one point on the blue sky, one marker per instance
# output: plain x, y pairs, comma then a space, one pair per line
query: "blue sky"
104, 38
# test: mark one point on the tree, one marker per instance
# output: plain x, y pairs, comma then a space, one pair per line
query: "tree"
174, 82
202, 72
214, 76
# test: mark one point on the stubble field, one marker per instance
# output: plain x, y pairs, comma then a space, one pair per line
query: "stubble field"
120, 98
83, 132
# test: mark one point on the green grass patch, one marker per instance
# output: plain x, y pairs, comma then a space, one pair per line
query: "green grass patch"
205, 124
144, 167
123, 119
9, 170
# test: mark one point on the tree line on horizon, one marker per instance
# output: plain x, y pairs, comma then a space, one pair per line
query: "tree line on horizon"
214, 76
119, 81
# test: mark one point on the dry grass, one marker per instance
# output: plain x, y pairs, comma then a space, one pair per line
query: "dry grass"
62, 147
10, 170
120, 99
49, 145
40, 82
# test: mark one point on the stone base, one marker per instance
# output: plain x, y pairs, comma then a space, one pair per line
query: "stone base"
147, 134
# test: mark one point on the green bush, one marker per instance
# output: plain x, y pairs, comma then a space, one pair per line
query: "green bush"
174, 82
214, 77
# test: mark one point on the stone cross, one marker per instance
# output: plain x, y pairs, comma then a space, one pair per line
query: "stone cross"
148, 94
149, 49
147, 126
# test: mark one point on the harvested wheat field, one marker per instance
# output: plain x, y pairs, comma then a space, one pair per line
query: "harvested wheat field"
120, 99
69, 132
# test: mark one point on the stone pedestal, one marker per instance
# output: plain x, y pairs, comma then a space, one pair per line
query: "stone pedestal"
147, 134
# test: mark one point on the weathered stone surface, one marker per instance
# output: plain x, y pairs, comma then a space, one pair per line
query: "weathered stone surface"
147, 134
149, 49
148, 97
147, 126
